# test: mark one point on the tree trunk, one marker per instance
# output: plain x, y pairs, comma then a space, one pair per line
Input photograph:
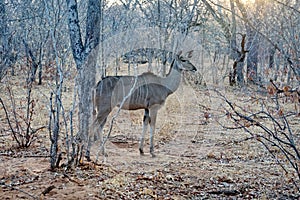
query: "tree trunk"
40, 74
239, 73
85, 57
5, 50
75, 33
252, 58
271, 55
86, 83
34, 64
233, 43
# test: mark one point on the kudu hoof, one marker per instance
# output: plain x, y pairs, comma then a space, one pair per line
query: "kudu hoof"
141, 152
153, 155
88, 158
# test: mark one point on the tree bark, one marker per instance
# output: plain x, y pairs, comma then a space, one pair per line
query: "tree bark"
6, 56
252, 58
75, 33
85, 56
233, 43
271, 55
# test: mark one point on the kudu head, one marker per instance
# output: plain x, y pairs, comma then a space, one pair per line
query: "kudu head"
182, 62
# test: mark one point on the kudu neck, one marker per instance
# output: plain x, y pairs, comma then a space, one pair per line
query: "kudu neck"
173, 78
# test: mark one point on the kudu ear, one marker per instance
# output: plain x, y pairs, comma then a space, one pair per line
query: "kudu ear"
189, 53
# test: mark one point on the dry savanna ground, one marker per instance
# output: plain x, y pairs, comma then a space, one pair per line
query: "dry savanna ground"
196, 157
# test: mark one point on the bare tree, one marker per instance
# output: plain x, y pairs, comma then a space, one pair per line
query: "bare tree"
230, 37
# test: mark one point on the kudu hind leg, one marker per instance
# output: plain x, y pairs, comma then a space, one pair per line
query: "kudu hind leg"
96, 132
153, 114
146, 121
102, 149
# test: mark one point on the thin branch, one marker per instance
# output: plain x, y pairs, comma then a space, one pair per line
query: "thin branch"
7, 116
288, 6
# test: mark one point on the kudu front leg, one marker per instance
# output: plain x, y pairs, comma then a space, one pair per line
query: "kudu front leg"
146, 121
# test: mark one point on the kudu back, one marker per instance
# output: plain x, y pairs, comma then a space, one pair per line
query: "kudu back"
146, 91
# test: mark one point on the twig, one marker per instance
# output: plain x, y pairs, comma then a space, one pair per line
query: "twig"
7, 117
48, 189
71, 179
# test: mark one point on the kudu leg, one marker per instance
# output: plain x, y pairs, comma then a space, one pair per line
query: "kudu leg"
100, 136
153, 114
96, 134
146, 121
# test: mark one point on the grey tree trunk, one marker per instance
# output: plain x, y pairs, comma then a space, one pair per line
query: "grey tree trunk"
252, 58
251, 46
86, 83
240, 76
85, 56
233, 43
271, 55
5, 50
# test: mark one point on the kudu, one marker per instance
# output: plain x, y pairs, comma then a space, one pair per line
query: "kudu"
146, 91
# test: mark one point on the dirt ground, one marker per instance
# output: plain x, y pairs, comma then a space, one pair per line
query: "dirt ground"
196, 159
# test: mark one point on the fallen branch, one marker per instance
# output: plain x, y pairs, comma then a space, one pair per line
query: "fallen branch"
225, 192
